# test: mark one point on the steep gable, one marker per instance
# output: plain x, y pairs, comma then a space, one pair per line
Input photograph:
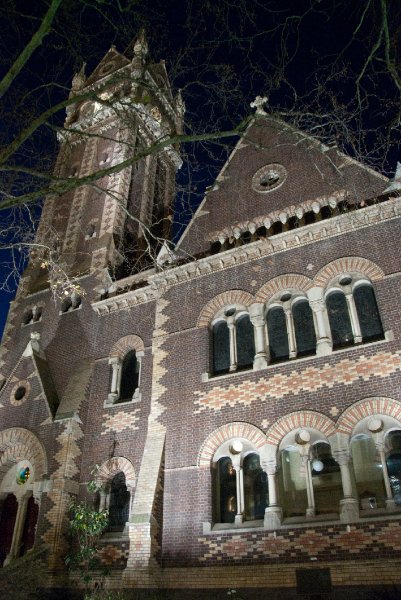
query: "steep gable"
111, 62
275, 167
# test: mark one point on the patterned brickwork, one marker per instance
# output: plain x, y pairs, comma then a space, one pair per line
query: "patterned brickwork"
348, 264
129, 342
119, 421
114, 555
358, 541
226, 298
365, 408
305, 418
224, 433
283, 282
345, 372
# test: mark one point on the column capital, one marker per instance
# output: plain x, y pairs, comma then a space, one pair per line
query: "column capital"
342, 457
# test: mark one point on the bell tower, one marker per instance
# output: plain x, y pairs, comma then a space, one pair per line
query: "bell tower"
118, 177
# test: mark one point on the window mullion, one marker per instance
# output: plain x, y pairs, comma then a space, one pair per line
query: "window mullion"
233, 344
291, 333
356, 329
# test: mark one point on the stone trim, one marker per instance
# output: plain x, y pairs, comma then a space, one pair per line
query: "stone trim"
295, 420
116, 465
222, 300
226, 432
375, 405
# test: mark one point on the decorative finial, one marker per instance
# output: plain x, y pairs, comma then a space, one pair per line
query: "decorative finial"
396, 182
79, 79
258, 104
141, 45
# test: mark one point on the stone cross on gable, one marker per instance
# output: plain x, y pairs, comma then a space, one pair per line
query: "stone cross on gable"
258, 104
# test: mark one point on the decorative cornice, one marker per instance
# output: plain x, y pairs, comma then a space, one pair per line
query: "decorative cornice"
289, 240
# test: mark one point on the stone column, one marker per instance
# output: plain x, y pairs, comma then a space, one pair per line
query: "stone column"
349, 504
258, 322
273, 512
233, 344
323, 340
240, 494
302, 439
115, 380
356, 329
376, 427
18, 527
103, 497
290, 329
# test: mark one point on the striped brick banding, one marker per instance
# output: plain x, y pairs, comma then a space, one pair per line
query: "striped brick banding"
226, 432
281, 283
295, 420
129, 342
348, 264
220, 301
367, 408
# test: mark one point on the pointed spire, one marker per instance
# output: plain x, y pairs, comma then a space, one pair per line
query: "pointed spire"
141, 45
79, 79
180, 104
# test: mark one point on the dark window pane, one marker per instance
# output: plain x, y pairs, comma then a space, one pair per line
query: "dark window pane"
221, 348
278, 337
225, 491
340, 324
119, 503
245, 342
394, 464
129, 376
256, 491
368, 313
304, 329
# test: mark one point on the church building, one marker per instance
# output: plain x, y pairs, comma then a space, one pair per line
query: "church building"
239, 392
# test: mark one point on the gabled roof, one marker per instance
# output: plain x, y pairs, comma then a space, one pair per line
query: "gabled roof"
300, 168
111, 62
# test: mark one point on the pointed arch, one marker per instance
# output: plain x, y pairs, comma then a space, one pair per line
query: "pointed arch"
281, 283
115, 465
129, 342
225, 432
376, 405
295, 420
18, 444
348, 264
220, 301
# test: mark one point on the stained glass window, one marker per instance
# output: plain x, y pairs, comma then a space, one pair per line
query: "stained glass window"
23, 475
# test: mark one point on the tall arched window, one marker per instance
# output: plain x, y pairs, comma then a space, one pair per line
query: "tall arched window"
353, 312
233, 345
290, 327
368, 472
129, 376
393, 461
119, 503
240, 486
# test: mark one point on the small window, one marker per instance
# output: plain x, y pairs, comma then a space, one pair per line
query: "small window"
221, 348
71, 303
368, 313
305, 335
245, 342
256, 489
119, 503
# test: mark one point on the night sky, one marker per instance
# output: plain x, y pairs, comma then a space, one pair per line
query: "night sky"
306, 56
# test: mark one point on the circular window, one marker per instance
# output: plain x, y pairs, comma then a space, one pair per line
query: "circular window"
269, 178
23, 475
20, 392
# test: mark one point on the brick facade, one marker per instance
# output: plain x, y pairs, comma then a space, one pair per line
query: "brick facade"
166, 439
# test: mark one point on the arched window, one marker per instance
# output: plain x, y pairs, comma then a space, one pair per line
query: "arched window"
278, 334
7, 523
353, 312
233, 345
290, 327
393, 461
368, 313
129, 376
119, 503
310, 478
340, 323
240, 486
368, 472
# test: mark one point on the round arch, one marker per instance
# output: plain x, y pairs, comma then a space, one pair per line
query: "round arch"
376, 405
124, 344
281, 283
18, 444
299, 419
348, 264
115, 465
226, 432
220, 301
